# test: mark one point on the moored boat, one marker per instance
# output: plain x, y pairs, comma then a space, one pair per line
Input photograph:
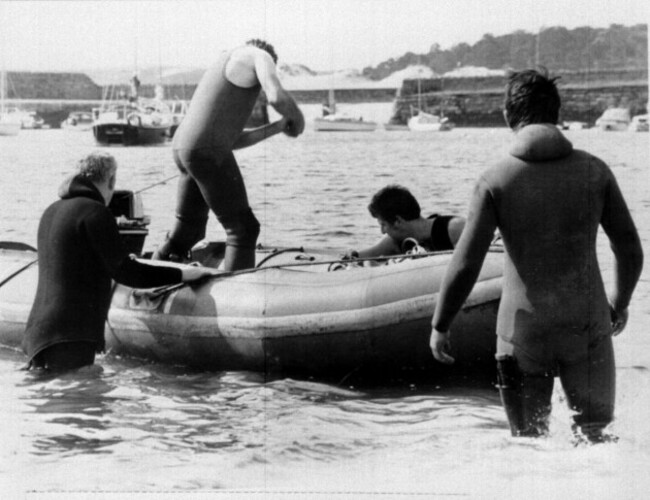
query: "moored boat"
141, 123
343, 123
79, 121
614, 119
427, 122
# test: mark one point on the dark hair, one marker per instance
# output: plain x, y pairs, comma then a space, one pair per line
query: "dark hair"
531, 97
394, 200
257, 42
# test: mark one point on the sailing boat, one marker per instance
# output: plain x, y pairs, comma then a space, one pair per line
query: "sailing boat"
331, 121
10, 122
133, 121
422, 121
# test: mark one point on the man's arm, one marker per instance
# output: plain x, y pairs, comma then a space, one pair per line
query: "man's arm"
626, 246
464, 268
276, 95
105, 239
385, 246
250, 137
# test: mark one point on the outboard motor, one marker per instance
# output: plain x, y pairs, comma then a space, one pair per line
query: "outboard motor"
128, 210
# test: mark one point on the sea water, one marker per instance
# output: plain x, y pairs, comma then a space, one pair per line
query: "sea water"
127, 428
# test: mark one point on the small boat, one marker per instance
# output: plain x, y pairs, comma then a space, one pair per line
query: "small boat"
140, 123
331, 121
132, 122
639, 123
298, 311
32, 120
427, 122
78, 121
339, 122
10, 122
614, 119
178, 110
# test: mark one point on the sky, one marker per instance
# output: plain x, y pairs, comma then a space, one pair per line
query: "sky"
321, 34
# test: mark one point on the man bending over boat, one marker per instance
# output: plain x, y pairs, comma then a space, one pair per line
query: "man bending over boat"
79, 252
203, 150
400, 220
555, 319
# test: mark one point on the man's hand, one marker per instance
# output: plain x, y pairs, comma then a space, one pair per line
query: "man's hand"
619, 319
439, 344
193, 273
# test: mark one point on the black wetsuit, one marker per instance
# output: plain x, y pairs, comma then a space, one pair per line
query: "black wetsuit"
79, 251
439, 233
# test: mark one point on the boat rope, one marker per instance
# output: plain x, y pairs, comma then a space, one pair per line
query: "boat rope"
227, 274
16, 273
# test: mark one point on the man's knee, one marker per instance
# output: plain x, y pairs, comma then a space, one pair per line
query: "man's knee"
242, 229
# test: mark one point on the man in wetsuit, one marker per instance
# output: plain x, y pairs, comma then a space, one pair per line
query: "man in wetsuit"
203, 150
79, 251
555, 319
399, 218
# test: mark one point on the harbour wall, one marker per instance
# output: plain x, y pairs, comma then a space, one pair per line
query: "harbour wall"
467, 101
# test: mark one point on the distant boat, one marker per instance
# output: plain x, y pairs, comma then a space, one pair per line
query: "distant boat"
572, 125
133, 121
614, 119
10, 122
421, 121
343, 123
178, 111
639, 123
392, 126
79, 121
331, 121
426, 122
32, 120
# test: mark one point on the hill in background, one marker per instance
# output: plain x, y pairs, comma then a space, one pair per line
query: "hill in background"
557, 48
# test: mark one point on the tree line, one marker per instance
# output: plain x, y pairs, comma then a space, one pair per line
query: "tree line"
556, 48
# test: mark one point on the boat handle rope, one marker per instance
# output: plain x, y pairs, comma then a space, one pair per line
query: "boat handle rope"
16, 273
226, 274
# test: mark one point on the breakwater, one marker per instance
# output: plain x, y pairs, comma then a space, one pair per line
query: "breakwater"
467, 101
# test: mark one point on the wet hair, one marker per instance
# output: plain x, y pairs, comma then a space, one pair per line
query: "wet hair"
97, 166
257, 42
531, 97
394, 200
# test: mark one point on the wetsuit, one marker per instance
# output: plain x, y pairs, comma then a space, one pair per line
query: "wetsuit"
440, 239
79, 252
210, 177
548, 201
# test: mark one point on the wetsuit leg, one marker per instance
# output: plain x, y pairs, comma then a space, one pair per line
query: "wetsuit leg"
65, 356
525, 397
191, 214
525, 393
590, 387
224, 191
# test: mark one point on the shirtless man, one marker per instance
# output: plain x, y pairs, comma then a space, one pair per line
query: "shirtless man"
555, 319
398, 215
203, 150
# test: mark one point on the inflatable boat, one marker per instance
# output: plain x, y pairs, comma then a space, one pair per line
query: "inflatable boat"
298, 311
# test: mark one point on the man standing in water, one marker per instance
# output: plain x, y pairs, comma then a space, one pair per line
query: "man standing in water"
548, 201
203, 150
79, 252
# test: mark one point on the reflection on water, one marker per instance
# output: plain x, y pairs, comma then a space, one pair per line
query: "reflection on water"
130, 425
